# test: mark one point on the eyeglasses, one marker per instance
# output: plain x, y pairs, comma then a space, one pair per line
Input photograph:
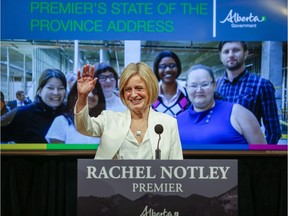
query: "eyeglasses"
103, 78
204, 85
164, 66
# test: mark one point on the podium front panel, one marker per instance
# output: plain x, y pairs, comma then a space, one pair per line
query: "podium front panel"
157, 187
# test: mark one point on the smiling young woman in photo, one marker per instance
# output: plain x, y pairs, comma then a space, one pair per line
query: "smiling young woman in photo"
108, 78
172, 98
31, 122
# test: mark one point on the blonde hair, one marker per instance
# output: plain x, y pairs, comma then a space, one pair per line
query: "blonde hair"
146, 74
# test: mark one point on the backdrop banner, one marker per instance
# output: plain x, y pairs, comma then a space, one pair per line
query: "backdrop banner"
157, 187
201, 20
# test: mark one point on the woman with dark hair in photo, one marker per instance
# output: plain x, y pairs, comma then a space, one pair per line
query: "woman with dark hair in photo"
31, 122
108, 79
63, 129
172, 97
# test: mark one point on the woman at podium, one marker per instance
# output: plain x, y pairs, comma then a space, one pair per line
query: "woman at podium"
131, 134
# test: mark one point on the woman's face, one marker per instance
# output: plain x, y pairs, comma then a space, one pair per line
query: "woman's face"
200, 89
93, 100
107, 81
53, 93
135, 94
167, 69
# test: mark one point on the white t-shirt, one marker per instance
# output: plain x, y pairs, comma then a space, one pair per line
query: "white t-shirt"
114, 103
62, 130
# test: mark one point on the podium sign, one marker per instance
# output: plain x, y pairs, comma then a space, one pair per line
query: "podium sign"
157, 187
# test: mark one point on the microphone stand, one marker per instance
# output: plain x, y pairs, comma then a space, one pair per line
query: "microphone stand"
158, 151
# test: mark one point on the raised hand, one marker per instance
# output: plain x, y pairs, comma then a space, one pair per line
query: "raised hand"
86, 82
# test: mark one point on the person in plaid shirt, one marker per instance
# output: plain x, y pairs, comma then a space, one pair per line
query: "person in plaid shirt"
251, 91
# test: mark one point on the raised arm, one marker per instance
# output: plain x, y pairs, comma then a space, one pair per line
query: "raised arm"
246, 123
85, 84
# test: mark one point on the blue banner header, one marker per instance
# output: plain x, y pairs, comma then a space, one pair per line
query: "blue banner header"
201, 20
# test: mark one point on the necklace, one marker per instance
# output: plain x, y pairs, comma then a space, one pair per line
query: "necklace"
139, 128
138, 133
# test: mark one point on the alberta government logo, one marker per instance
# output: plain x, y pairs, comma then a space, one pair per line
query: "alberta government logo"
239, 21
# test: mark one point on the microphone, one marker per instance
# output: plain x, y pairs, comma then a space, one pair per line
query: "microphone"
159, 130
